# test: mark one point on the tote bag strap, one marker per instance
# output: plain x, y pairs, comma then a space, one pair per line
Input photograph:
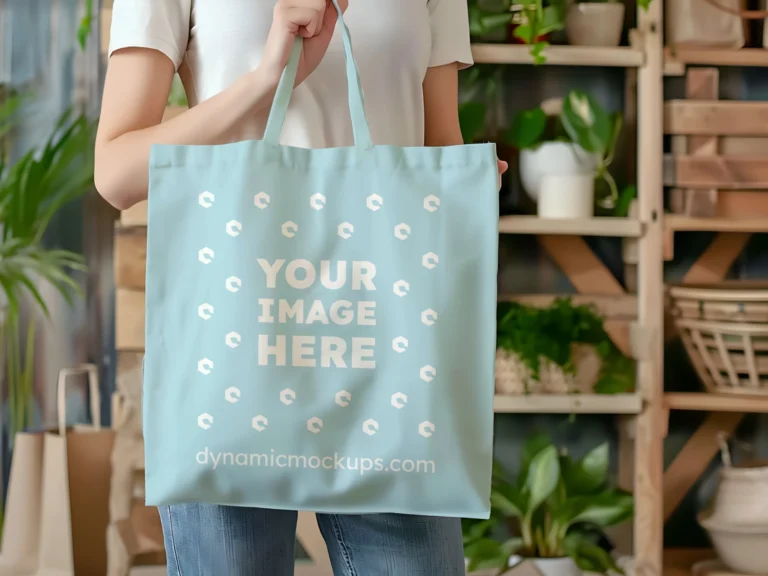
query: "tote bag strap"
360, 128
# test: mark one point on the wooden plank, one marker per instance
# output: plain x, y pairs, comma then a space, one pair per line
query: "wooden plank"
583, 227
706, 402
619, 56
675, 57
568, 404
619, 306
680, 223
577, 261
649, 440
588, 275
695, 457
701, 84
743, 204
743, 172
130, 257
136, 215
716, 118
129, 320
715, 262
736, 145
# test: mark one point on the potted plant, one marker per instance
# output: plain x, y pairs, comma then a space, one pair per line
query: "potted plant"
534, 21
553, 512
595, 22
560, 348
32, 191
564, 145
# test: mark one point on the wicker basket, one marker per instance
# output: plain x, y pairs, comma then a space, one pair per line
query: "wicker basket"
724, 328
514, 378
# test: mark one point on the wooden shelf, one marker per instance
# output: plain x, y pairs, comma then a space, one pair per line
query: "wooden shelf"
622, 56
706, 402
623, 227
679, 223
675, 60
568, 404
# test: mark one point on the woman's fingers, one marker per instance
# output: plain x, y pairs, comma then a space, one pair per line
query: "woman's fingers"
302, 17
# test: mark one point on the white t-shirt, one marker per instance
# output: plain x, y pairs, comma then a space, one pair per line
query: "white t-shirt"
213, 42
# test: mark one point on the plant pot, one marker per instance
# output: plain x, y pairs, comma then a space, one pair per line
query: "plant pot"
744, 549
595, 23
552, 566
553, 159
562, 197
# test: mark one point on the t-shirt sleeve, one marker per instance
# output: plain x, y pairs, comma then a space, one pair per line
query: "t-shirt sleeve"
157, 24
450, 32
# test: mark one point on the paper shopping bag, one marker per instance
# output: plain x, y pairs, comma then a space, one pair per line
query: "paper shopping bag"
320, 329
75, 494
21, 527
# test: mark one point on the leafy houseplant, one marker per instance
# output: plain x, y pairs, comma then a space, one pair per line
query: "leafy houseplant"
32, 191
556, 506
551, 332
589, 131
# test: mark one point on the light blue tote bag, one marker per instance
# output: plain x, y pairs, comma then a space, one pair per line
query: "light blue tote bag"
320, 328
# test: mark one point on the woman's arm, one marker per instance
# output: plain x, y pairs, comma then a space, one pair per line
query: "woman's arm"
441, 109
135, 94
139, 80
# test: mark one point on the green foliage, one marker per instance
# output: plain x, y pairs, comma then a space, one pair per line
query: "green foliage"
472, 120
177, 96
597, 131
84, 29
32, 191
551, 332
559, 505
479, 87
538, 20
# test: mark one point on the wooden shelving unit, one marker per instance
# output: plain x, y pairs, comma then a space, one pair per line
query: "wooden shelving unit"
705, 402
620, 227
679, 223
620, 57
569, 404
676, 60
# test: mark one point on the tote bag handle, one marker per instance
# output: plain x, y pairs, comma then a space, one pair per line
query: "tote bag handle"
360, 128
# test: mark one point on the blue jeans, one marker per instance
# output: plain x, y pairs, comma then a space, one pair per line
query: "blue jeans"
210, 540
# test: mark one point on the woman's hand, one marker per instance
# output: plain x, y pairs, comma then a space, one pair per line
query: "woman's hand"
502, 168
313, 20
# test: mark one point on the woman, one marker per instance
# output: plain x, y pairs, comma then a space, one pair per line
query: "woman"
230, 54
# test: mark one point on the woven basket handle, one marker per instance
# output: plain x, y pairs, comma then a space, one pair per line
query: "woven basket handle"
725, 451
743, 14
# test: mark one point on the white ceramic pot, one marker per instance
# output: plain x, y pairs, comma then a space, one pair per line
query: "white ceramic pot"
744, 549
595, 23
553, 159
557, 566
567, 196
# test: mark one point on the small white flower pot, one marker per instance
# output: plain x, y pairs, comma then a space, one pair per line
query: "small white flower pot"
567, 196
553, 159
557, 566
595, 23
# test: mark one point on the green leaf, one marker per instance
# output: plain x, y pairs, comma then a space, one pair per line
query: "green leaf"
588, 555
543, 477
591, 472
527, 129
478, 530
626, 196
607, 509
532, 447
486, 554
587, 123
472, 120
508, 501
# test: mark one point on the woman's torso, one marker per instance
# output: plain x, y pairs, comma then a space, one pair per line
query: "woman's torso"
391, 43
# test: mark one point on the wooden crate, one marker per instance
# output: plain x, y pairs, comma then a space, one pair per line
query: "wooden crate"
718, 165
